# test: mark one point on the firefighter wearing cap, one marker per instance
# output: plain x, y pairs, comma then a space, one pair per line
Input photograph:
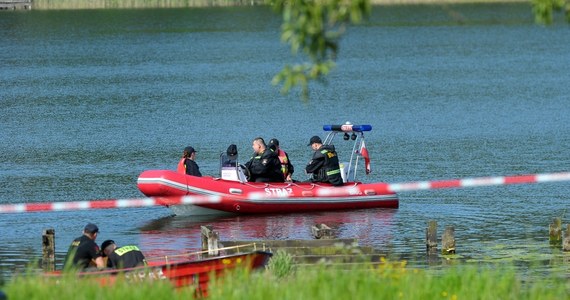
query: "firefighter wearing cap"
286, 166
128, 256
187, 164
83, 251
324, 165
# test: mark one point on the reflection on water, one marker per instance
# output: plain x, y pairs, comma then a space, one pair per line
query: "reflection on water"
173, 234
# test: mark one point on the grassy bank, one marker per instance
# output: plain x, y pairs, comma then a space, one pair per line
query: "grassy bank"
383, 281
99, 4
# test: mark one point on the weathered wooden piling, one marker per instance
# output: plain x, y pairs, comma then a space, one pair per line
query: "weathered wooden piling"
322, 231
555, 231
48, 249
448, 241
210, 240
566, 239
431, 235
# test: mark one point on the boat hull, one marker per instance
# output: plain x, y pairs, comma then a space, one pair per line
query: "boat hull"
181, 273
261, 198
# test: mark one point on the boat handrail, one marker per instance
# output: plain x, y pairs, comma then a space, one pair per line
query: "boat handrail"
303, 187
289, 184
166, 258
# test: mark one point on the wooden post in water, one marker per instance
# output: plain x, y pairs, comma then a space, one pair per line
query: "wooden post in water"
448, 241
210, 240
48, 250
431, 243
322, 231
555, 231
566, 239
431, 235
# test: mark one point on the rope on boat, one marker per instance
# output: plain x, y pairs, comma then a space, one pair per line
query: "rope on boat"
323, 191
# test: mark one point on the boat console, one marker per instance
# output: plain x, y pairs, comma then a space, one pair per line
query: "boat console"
230, 169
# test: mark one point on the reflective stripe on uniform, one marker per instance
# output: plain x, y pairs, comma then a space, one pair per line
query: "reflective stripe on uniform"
125, 249
329, 173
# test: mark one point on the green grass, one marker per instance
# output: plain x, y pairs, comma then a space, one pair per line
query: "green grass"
280, 280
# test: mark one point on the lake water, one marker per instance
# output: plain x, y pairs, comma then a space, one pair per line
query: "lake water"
90, 99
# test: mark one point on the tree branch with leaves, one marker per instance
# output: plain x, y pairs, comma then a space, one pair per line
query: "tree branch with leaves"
314, 27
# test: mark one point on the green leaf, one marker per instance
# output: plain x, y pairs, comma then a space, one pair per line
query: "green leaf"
314, 28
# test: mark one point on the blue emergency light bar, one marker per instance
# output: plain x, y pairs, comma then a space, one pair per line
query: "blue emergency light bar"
347, 128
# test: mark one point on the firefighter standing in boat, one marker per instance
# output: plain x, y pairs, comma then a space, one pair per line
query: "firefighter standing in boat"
324, 165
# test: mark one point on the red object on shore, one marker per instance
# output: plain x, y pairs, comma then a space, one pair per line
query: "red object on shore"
180, 274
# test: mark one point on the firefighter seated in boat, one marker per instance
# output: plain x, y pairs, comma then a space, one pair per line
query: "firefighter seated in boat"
229, 159
122, 257
187, 164
264, 166
286, 166
324, 165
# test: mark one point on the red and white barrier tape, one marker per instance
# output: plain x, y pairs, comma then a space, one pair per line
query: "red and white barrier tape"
394, 187
479, 181
111, 203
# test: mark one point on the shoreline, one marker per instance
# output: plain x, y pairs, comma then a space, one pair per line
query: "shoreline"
134, 4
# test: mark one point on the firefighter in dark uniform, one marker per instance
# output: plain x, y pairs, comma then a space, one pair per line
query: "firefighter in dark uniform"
264, 166
324, 165
83, 251
122, 257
